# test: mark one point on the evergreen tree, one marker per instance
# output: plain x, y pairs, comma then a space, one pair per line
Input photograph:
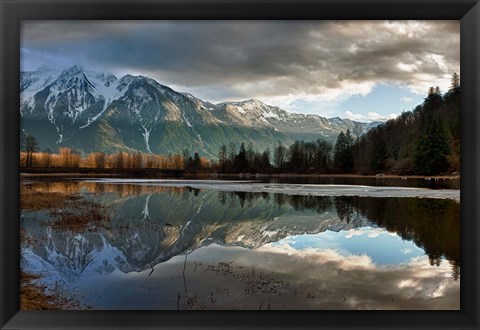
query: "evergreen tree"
378, 152
250, 154
349, 160
265, 159
433, 101
196, 163
343, 154
323, 154
296, 156
240, 161
432, 149
242, 149
455, 83
379, 155
339, 147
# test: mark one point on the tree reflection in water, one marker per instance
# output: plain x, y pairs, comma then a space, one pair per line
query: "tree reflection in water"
432, 224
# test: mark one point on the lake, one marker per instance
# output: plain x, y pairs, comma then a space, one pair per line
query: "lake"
268, 244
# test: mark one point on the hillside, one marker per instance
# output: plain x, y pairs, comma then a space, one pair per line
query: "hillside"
424, 141
94, 111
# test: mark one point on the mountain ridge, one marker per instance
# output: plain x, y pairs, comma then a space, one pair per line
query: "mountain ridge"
97, 111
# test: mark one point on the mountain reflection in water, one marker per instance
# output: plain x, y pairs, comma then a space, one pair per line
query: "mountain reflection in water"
314, 251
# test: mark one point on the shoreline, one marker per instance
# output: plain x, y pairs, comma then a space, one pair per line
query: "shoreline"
244, 175
346, 176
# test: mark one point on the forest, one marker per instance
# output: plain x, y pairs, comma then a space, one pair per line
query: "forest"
423, 141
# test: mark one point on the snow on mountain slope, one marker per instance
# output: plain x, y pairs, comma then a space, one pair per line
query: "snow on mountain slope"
32, 82
69, 93
139, 237
141, 114
256, 113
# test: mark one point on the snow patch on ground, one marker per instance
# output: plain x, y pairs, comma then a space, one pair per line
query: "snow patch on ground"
240, 109
146, 136
295, 189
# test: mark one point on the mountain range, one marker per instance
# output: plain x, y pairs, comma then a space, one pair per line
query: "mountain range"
94, 111
152, 228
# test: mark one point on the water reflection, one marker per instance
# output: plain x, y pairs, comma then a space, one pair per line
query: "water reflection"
277, 277
421, 182
150, 225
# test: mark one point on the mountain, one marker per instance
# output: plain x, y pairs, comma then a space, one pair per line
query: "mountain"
152, 228
92, 111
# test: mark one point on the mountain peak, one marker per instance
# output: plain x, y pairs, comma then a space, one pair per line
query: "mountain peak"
73, 70
252, 102
77, 98
43, 69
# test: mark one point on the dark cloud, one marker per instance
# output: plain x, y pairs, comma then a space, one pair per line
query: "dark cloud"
228, 60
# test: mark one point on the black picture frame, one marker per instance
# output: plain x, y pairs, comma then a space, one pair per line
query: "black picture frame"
14, 11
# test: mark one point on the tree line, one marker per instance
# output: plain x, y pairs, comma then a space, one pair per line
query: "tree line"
424, 141
31, 156
355, 209
300, 156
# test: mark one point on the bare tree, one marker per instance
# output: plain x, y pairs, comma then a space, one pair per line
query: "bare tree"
65, 157
99, 159
222, 158
31, 145
47, 158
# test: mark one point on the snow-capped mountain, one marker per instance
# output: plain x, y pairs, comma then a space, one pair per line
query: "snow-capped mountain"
140, 238
92, 111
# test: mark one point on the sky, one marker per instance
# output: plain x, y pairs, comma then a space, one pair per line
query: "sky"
362, 70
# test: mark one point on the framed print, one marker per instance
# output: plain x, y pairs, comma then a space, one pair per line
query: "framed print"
239, 164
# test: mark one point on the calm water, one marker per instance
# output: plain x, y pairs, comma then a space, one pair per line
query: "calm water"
168, 247
430, 183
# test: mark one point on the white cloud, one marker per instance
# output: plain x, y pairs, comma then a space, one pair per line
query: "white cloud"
406, 99
322, 256
407, 67
369, 117
325, 61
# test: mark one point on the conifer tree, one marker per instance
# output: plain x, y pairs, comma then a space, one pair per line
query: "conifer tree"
455, 83
240, 161
196, 163
432, 149
379, 155
343, 155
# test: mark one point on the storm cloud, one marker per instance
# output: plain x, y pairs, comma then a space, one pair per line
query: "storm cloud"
276, 61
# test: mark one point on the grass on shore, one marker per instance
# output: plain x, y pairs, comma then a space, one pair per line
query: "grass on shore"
33, 296
83, 216
31, 200
67, 212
